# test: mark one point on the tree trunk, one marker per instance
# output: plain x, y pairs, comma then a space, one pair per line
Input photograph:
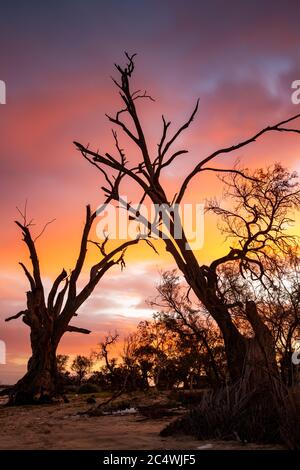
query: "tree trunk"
48, 319
41, 382
286, 368
235, 343
236, 348
261, 353
253, 357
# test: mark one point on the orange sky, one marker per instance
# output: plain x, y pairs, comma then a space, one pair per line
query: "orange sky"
58, 91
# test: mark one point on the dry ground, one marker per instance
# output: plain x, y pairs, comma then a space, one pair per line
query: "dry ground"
58, 426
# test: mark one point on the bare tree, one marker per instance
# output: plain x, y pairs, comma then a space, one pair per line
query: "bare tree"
147, 175
103, 353
49, 317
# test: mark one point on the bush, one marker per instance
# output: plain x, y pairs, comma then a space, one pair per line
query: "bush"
263, 416
88, 388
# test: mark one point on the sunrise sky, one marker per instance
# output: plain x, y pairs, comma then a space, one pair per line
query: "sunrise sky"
57, 59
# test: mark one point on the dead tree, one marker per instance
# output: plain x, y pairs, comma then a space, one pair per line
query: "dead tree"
103, 352
49, 317
147, 175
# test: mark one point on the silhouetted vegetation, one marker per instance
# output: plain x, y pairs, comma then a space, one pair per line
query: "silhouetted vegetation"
81, 366
261, 203
226, 328
48, 318
235, 310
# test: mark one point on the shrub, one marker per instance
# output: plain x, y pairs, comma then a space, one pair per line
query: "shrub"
88, 388
264, 415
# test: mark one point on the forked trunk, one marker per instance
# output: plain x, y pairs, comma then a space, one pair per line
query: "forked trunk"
48, 319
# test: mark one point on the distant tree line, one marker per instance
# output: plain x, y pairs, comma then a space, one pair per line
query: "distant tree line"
181, 347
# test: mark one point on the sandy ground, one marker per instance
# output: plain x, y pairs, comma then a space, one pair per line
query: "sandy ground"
59, 427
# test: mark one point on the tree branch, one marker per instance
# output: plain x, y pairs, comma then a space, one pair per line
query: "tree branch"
90, 217
17, 315
76, 329
54, 288
33, 255
28, 275
181, 129
43, 230
225, 150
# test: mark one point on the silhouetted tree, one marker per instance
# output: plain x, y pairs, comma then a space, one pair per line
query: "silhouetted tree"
140, 364
64, 377
49, 317
62, 361
257, 226
147, 174
103, 352
197, 332
81, 365
164, 356
280, 306
111, 376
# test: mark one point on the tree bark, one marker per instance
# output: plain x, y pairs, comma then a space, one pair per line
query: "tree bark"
253, 357
41, 382
260, 353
